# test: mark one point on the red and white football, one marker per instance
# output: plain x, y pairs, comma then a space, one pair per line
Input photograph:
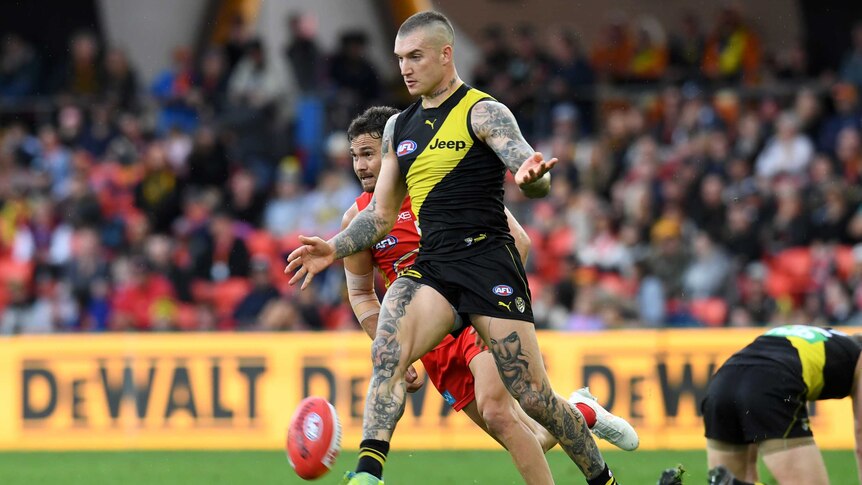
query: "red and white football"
313, 438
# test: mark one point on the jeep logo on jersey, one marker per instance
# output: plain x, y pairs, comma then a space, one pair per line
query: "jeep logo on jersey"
503, 290
450, 144
406, 147
386, 243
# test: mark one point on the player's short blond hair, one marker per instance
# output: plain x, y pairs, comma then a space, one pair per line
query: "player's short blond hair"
429, 20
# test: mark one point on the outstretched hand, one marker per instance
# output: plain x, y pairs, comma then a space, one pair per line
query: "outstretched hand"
533, 169
311, 258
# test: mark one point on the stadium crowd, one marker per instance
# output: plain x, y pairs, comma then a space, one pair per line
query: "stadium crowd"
705, 180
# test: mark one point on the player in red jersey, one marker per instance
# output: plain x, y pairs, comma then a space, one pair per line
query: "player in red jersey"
452, 365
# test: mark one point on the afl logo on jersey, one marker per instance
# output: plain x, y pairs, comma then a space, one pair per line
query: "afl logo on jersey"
503, 290
386, 243
406, 147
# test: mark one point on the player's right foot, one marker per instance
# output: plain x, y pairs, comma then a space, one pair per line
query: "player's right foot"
720, 476
672, 476
353, 478
608, 427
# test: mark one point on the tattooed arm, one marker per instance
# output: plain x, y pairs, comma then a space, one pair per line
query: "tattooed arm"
368, 227
376, 220
495, 124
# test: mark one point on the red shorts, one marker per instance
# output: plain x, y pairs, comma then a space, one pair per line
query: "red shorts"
448, 368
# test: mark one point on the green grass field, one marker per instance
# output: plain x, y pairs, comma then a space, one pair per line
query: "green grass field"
403, 468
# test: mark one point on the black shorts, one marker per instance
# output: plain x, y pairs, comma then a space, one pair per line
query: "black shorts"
492, 283
752, 403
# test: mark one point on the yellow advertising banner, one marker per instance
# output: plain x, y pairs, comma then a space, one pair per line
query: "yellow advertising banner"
238, 391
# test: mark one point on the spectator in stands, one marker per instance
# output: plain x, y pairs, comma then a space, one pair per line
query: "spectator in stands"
158, 193
355, 78
210, 82
830, 219
173, 88
217, 252
788, 152
82, 75
758, 305
848, 152
323, 208
99, 131
709, 275
19, 68
120, 84
740, 235
686, 49
789, 226
263, 292
23, 314
732, 51
142, 298
238, 37
572, 79
612, 54
246, 203
53, 161
708, 210
303, 54
255, 89
490, 68
845, 99
159, 251
208, 161
650, 296
669, 258
809, 110
851, 66
649, 57
88, 264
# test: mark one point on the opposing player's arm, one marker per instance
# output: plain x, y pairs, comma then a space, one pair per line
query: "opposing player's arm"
857, 415
522, 240
359, 273
376, 220
495, 124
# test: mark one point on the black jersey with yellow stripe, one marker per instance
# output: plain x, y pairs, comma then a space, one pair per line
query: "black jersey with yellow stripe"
825, 359
455, 181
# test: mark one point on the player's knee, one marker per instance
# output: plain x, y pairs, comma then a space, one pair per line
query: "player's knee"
498, 416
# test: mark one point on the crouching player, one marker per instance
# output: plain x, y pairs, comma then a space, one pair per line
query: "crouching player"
756, 403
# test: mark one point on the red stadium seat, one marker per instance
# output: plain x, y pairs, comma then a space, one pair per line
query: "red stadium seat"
796, 264
227, 294
262, 243
710, 311
844, 261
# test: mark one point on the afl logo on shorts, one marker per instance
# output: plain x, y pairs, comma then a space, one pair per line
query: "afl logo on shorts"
406, 147
503, 290
386, 243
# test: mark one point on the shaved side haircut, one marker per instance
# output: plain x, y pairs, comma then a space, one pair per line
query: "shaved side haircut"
435, 22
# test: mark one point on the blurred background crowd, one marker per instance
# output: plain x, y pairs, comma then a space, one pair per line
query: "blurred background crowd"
705, 180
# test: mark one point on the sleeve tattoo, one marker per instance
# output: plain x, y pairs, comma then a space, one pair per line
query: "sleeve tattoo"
367, 227
494, 123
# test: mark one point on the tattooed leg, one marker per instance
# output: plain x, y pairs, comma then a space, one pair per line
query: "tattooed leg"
414, 318
519, 362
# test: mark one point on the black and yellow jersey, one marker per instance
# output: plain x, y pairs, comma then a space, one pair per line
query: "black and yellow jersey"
455, 181
824, 359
